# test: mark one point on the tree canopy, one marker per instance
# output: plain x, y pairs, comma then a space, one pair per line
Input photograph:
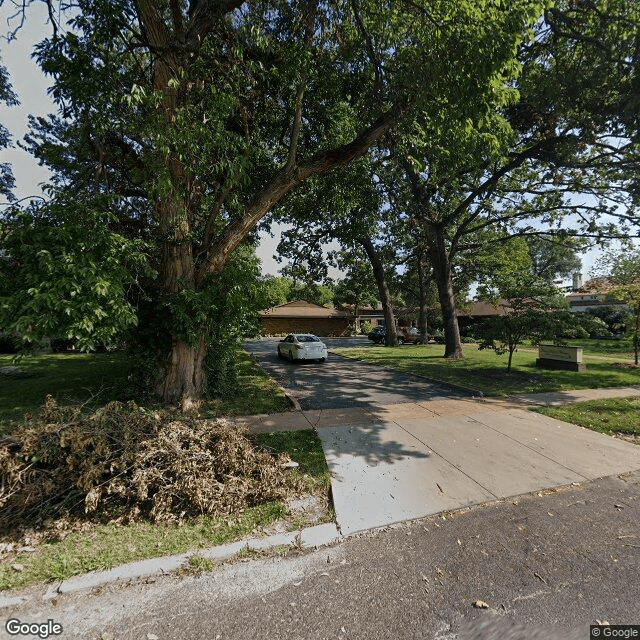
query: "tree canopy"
182, 123
195, 118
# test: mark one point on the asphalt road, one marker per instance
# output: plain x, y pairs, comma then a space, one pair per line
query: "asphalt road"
341, 382
547, 566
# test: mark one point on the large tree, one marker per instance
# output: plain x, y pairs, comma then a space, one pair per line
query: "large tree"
561, 160
199, 116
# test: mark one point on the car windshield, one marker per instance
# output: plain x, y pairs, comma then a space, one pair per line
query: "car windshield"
308, 339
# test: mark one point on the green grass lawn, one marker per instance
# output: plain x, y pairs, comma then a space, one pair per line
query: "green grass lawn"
305, 448
98, 378
73, 378
619, 350
614, 415
622, 348
487, 372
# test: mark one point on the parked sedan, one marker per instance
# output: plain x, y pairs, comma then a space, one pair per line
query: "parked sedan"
302, 346
409, 336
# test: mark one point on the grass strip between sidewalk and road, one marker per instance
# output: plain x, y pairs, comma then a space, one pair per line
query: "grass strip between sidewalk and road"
484, 371
101, 547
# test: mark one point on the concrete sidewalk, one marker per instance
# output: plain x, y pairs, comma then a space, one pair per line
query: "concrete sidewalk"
406, 461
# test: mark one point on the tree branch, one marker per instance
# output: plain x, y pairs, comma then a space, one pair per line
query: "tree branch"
284, 181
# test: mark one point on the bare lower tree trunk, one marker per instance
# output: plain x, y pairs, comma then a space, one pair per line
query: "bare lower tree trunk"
439, 258
181, 376
423, 282
183, 379
391, 339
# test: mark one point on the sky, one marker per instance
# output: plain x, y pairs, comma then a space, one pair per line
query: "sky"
31, 86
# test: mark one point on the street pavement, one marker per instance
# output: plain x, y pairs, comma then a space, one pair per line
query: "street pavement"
547, 565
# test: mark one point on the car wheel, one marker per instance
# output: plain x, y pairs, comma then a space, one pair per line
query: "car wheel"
322, 360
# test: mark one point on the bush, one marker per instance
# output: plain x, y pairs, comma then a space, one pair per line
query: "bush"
124, 463
468, 339
62, 345
366, 328
576, 332
439, 338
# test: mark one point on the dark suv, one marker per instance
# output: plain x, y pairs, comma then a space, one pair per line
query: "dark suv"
378, 335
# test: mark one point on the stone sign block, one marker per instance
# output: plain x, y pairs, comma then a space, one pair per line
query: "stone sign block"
551, 356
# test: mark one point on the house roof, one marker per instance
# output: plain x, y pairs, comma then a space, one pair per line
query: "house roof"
368, 310
301, 309
485, 308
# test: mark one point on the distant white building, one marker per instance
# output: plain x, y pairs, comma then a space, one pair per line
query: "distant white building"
592, 295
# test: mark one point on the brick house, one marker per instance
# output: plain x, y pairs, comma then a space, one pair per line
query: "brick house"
302, 316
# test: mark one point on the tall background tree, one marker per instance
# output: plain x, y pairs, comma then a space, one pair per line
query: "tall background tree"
559, 161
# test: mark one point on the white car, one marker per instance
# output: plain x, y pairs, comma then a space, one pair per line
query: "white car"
302, 346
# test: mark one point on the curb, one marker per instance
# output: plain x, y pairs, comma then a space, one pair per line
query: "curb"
310, 538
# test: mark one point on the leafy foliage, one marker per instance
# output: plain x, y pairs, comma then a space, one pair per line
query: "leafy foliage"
523, 302
67, 274
623, 284
540, 165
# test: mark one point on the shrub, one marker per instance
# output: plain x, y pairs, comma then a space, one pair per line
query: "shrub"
366, 328
9, 343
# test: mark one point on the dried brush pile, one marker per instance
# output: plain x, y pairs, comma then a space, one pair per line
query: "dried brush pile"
125, 463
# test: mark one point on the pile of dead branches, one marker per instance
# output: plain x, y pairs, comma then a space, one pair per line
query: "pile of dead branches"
125, 463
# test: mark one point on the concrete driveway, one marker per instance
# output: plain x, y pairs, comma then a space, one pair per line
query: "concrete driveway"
341, 382
399, 447
408, 461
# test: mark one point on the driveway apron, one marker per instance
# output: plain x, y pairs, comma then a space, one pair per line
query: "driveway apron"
410, 462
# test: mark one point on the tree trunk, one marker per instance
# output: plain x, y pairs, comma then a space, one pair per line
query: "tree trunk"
181, 376
512, 348
635, 335
183, 379
439, 258
423, 281
391, 339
